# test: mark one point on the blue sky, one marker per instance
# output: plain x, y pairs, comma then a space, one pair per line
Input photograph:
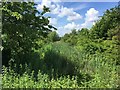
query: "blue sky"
66, 16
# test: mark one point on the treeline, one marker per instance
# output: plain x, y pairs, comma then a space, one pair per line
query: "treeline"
103, 37
34, 56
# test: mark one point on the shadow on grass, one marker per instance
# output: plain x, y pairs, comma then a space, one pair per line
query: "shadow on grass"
53, 64
58, 65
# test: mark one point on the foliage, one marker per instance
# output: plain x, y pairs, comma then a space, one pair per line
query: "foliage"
104, 75
53, 36
12, 80
109, 21
21, 29
86, 58
54, 74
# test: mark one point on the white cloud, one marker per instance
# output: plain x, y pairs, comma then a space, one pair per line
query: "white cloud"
91, 17
68, 28
53, 21
75, 16
56, 10
64, 11
61, 11
69, 12
46, 3
39, 7
71, 26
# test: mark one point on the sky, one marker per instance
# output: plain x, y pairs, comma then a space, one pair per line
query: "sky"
66, 16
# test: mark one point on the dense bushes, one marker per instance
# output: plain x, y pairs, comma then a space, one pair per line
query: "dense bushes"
10, 79
72, 70
39, 59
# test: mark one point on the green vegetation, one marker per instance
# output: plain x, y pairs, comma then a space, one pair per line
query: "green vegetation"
34, 56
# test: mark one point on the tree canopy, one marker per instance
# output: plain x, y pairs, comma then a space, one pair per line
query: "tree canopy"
23, 24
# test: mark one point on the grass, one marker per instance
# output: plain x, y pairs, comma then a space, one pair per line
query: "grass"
62, 66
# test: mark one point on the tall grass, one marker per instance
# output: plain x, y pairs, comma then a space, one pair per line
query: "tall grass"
62, 66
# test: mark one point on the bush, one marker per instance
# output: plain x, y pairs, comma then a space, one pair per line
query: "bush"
11, 79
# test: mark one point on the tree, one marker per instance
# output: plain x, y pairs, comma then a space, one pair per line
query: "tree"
109, 20
22, 28
107, 31
53, 36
